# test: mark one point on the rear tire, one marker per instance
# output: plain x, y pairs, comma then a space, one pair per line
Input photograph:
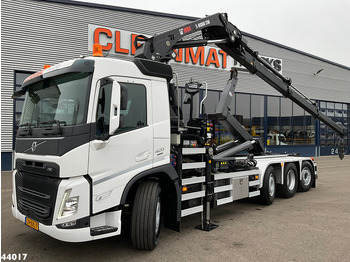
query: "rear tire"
145, 217
307, 177
290, 181
268, 190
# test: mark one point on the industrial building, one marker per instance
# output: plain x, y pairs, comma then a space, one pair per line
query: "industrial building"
36, 33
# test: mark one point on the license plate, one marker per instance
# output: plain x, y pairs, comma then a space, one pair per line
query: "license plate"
32, 223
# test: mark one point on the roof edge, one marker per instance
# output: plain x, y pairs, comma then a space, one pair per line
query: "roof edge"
119, 8
294, 50
191, 18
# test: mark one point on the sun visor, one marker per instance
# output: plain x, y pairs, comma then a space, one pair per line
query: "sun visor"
81, 65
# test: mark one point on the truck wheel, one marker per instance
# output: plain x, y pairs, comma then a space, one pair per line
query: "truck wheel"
268, 190
307, 177
290, 185
145, 217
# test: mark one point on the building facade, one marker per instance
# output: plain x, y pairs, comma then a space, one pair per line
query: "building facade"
36, 33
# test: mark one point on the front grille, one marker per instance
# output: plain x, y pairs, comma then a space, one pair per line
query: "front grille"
36, 196
39, 168
39, 210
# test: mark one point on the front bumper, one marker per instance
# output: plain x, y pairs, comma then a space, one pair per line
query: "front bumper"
101, 226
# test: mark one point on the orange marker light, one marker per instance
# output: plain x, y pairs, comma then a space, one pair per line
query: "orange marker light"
97, 50
184, 189
46, 66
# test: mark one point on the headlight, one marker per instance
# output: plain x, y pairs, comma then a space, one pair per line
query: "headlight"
69, 205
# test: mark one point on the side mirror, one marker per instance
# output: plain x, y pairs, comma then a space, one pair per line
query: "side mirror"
115, 108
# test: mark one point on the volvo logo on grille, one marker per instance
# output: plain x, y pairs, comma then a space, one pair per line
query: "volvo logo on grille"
34, 146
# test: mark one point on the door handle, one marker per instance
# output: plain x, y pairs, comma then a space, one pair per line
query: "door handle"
98, 144
143, 156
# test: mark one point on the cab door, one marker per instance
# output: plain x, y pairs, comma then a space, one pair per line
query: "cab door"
115, 158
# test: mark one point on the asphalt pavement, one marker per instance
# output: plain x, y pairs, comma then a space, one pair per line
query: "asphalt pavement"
311, 226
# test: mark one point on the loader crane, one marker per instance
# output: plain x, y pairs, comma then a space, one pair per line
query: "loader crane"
217, 30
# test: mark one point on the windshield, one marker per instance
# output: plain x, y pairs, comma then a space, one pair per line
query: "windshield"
61, 99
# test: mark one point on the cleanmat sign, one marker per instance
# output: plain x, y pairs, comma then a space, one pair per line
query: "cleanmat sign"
116, 41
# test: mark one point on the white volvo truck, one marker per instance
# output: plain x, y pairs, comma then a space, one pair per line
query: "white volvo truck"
102, 141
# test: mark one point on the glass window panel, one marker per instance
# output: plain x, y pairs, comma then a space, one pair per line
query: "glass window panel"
330, 105
221, 133
185, 107
60, 98
286, 121
103, 109
323, 104
299, 134
211, 102
20, 77
273, 119
323, 136
338, 106
232, 106
17, 121
135, 114
18, 87
243, 109
309, 129
257, 114
330, 112
19, 105
330, 137
338, 113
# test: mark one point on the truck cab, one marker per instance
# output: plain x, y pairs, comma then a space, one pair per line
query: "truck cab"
276, 139
89, 126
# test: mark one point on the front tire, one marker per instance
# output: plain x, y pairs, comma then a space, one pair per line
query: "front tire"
290, 181
145, 217
268, 190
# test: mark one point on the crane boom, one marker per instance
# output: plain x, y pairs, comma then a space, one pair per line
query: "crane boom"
216, 29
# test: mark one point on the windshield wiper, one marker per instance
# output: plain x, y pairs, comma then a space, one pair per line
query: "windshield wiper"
24, 131
52, 130
57, 122
27, 128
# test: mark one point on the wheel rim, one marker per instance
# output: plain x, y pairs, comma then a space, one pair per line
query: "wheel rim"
306, 176
157, 217
271, 185
290, 179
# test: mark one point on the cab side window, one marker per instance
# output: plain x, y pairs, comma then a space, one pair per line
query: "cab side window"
135, 114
